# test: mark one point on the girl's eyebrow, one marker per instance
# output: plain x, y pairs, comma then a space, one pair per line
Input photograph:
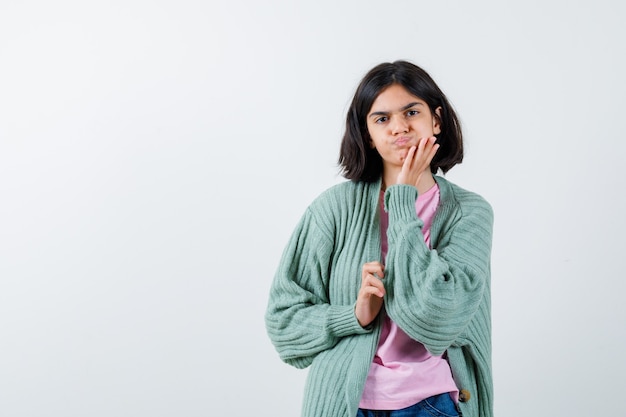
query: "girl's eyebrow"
408, 106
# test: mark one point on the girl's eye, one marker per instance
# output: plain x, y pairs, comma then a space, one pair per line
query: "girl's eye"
381, 119
412, 113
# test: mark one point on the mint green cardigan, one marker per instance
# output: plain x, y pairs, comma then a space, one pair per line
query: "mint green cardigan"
439, 297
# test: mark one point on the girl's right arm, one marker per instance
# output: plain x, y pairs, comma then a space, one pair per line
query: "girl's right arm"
300, 320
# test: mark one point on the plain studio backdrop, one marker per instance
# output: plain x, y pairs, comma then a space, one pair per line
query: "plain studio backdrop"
156, 156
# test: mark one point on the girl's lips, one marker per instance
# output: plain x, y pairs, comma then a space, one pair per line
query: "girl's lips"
402, 141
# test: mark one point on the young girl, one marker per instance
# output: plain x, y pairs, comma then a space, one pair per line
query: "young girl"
384, 286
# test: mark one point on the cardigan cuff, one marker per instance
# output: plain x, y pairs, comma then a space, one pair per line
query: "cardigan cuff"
400, 202
342, 321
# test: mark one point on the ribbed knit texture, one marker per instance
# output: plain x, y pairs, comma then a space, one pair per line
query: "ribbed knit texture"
440, 297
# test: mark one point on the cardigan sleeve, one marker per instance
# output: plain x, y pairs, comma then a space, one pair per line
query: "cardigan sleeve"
299, 319
433, 294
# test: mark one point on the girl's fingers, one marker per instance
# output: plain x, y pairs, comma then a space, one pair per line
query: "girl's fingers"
409, 158
373, 286
417, 160
374, 269
372, 291
426, 152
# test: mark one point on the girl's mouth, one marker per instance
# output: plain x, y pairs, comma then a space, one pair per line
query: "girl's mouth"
402, 141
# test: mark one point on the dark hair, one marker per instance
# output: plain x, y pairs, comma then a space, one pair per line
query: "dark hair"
357, 159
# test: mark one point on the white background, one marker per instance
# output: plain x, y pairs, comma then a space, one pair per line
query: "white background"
156, 155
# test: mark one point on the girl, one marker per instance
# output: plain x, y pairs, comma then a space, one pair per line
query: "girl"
384, 286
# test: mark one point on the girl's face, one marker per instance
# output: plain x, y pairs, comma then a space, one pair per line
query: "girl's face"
397, 121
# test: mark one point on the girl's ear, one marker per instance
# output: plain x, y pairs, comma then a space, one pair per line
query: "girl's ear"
437, 121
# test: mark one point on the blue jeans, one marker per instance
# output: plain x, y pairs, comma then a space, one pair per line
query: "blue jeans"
436, 406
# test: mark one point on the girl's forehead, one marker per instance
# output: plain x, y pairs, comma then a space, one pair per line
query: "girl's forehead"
394, 95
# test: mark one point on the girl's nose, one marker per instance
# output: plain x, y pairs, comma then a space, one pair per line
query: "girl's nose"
399, 125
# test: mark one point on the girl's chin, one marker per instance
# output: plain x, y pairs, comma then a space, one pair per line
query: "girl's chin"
396, 159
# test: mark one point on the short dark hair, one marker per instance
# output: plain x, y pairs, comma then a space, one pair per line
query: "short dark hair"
357, 159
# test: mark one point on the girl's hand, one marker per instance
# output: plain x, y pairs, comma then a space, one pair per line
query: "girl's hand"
370, 298
417, 161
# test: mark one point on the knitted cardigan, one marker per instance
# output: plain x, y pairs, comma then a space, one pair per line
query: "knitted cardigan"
439, 297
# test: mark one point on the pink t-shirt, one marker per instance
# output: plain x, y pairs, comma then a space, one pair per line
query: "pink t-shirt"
403, 372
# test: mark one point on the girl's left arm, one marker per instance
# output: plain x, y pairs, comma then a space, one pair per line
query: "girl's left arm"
433, 294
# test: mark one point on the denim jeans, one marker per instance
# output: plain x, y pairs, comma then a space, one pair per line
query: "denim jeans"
436, 406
